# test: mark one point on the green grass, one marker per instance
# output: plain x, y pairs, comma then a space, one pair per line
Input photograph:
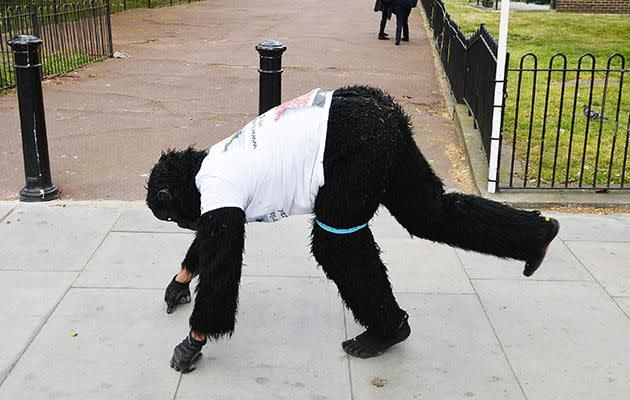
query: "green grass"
59, 63
571, 34
52, 64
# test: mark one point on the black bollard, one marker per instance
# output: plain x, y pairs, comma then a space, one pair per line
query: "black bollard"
28, 69
270, 88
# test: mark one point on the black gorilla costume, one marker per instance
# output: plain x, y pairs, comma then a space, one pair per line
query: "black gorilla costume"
370, 159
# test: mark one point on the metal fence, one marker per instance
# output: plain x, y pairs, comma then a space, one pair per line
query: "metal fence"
481, 67
470, 65
567, 127
73, 34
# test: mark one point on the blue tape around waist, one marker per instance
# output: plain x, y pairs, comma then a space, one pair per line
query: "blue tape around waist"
339, 231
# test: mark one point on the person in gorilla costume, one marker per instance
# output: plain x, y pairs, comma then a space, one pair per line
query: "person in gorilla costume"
339, 155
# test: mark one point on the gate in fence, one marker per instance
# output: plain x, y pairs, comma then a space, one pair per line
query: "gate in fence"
562, 127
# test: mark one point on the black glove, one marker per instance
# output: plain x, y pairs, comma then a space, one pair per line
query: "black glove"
186, 354
176, 293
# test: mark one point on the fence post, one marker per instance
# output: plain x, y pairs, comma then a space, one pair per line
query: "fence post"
497, 109
270, 83
39, 185
34, 19
109, 28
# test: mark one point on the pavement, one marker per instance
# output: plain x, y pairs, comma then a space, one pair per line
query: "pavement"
83, 316
191, 78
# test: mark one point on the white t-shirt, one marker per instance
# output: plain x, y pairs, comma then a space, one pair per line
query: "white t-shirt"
273, 167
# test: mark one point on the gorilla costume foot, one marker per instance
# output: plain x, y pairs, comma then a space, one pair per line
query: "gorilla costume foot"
532, 265
368, 345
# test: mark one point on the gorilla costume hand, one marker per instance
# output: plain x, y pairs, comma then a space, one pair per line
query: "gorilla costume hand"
186, 354
176, 293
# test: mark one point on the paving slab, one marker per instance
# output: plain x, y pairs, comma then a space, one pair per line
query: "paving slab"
420, 266
280, 249
560, 264
385, 226
278, 351
608, 262
624, 303
53, 237
565, 340
135, 260
124, 343
28, 300
595, 228
5, 209
452, 353
140, 219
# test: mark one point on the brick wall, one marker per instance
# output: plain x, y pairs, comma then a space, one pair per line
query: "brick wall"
595, 6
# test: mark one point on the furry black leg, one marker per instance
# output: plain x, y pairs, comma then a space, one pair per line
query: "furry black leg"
359, 155
418, 202
353, 262
371, 142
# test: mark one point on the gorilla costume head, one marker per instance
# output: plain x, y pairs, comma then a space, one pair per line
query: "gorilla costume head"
171, 191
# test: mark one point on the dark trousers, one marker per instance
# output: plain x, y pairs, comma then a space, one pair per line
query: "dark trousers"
402, 22
384, 15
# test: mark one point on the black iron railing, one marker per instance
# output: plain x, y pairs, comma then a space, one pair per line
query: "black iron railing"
481, 67
567, 127
470, 65
74, 34
561, 127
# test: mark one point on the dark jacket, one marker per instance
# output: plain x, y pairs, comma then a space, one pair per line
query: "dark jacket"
405, 3
383, 5
403, 6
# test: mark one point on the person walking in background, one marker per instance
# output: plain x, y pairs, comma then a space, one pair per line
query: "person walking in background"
402, 9
385, 7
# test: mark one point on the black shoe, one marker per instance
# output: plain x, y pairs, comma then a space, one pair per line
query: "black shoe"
397, 43
532, 265
368, 344
405, 39
383, 37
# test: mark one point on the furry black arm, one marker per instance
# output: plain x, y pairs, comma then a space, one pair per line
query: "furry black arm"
218, 250
191, 260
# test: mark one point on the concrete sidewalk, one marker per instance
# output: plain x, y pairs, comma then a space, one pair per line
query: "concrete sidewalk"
192, 79
480, 330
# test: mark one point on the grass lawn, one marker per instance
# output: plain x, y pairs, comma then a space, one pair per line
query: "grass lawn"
52, 64
562, 136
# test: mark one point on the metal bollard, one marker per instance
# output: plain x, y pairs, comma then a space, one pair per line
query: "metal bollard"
28, 69
270, 88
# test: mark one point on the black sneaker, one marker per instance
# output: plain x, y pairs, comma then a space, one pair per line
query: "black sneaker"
383, 37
